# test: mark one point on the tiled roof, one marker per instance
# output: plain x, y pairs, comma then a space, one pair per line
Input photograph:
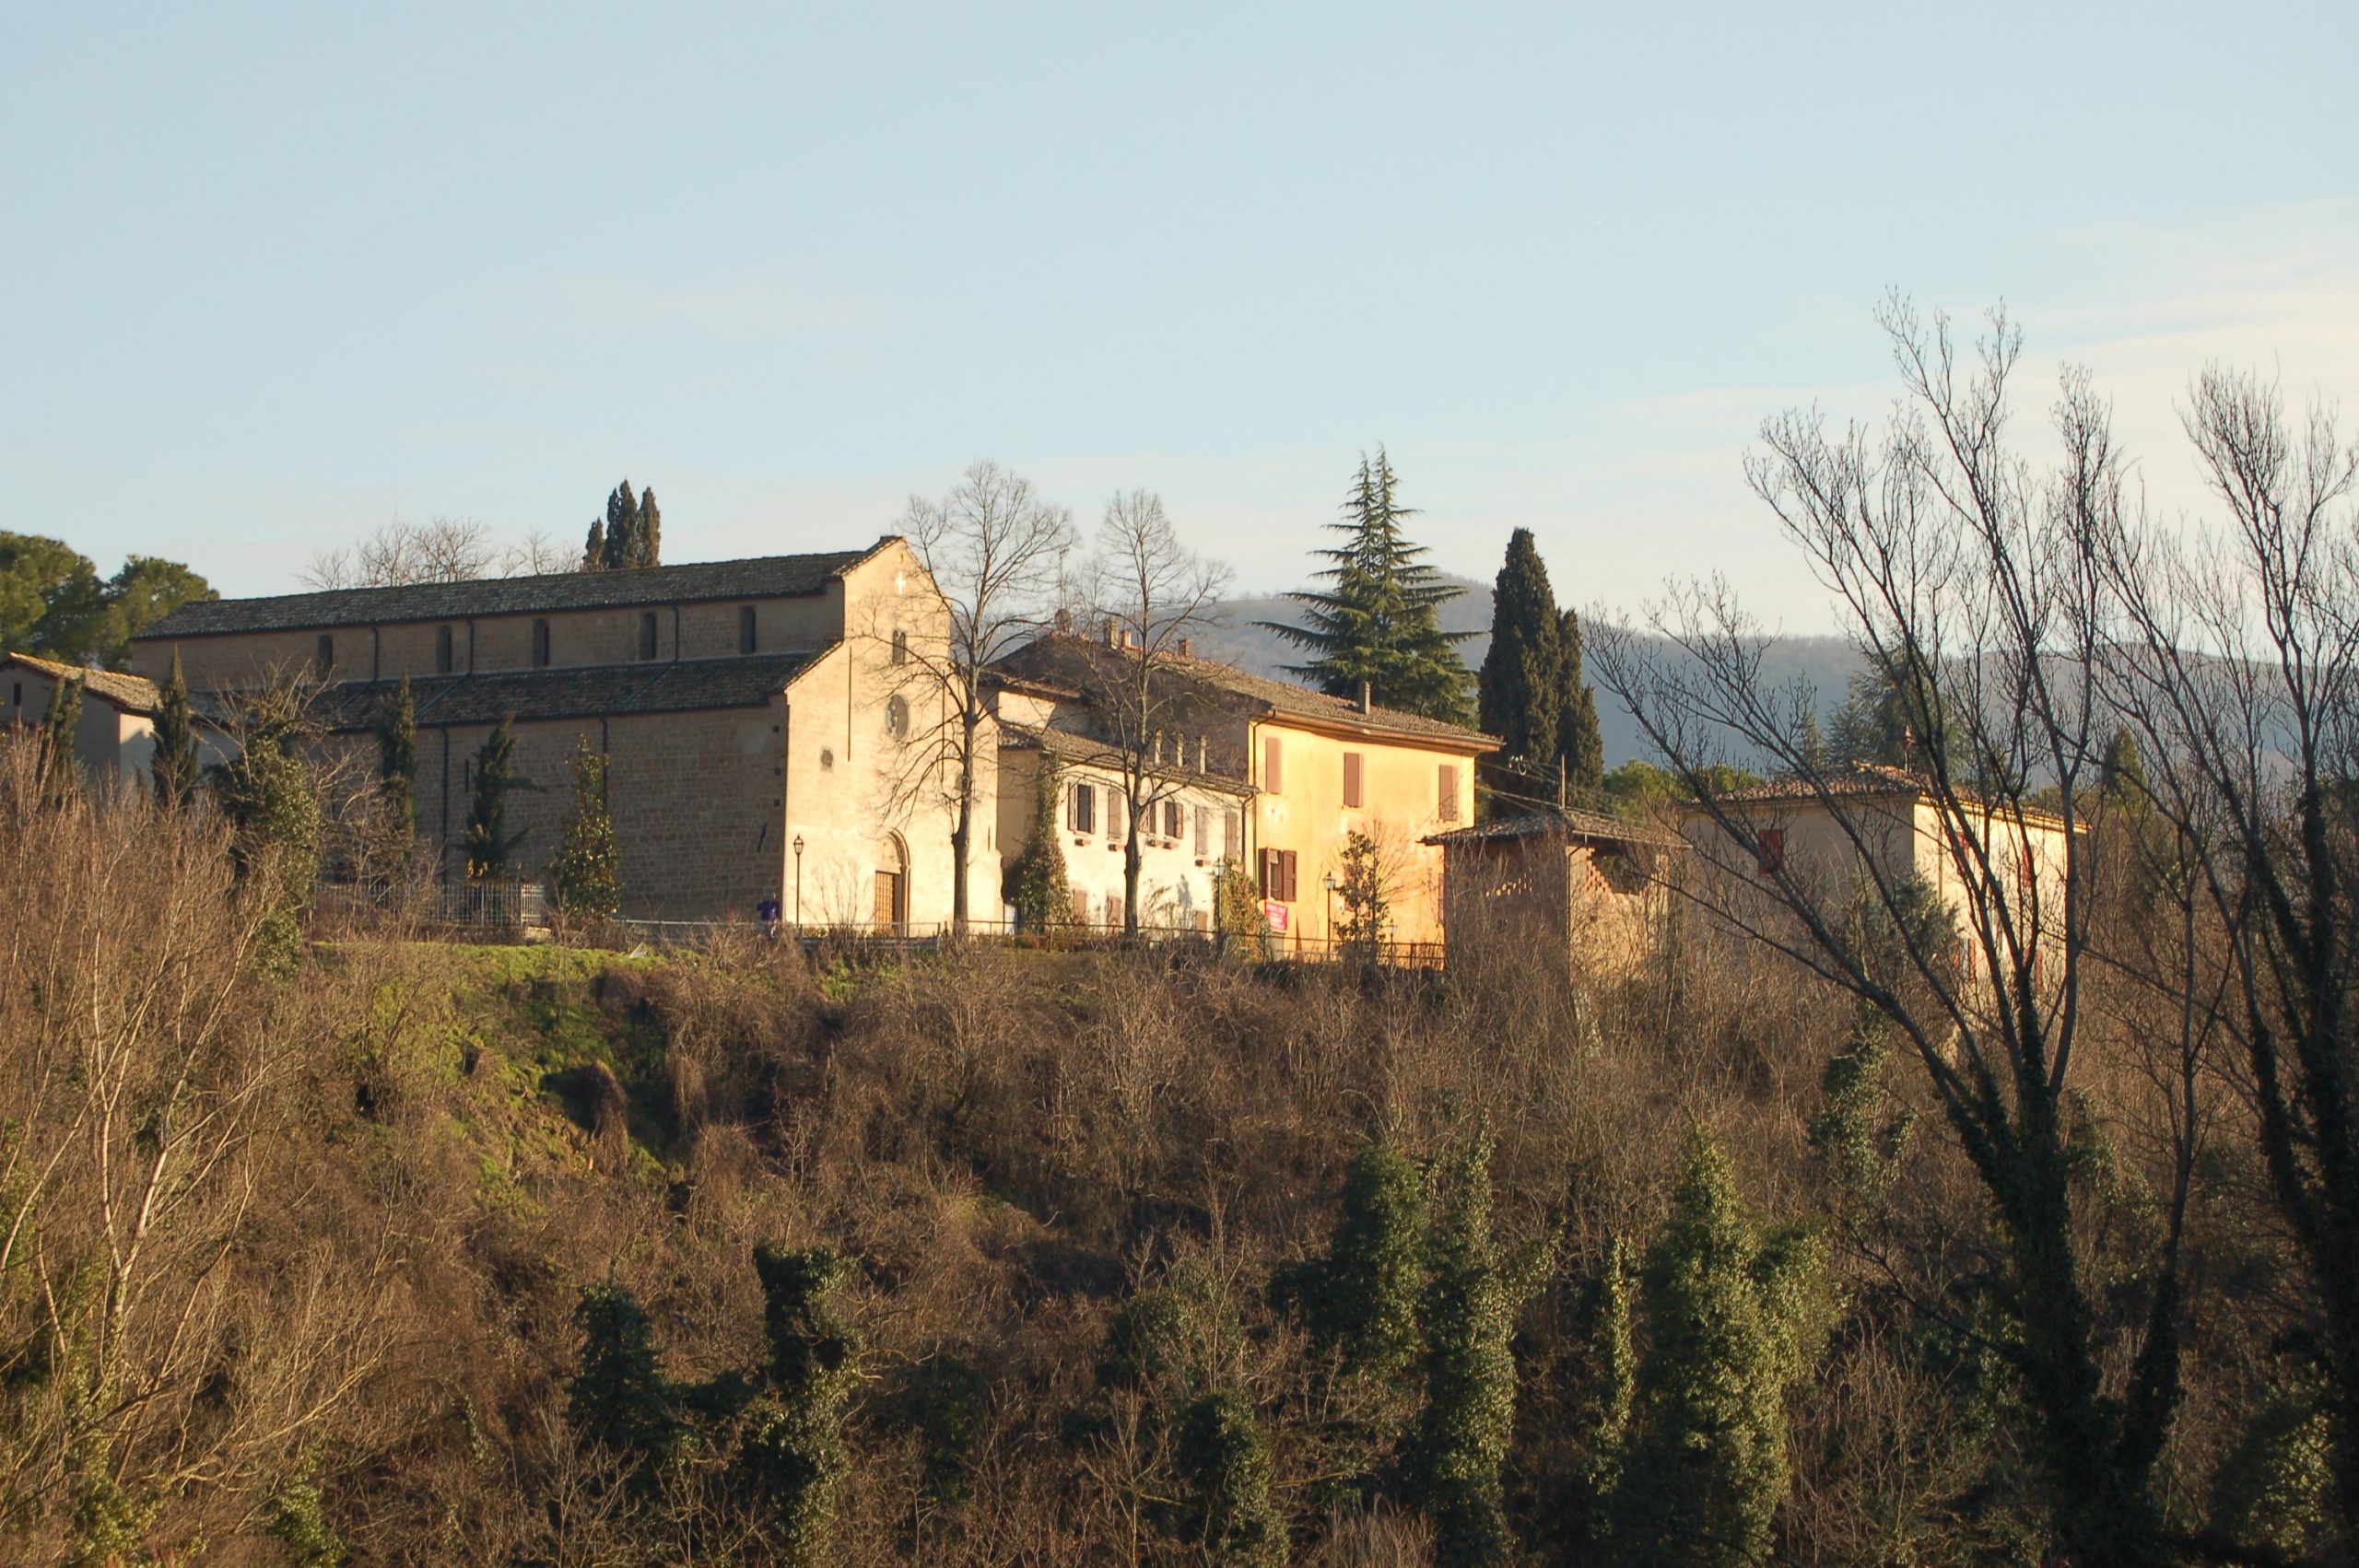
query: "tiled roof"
132, 693
683, 685
1281, 698
1851, 779
762, 576
1067, 746
1549, 820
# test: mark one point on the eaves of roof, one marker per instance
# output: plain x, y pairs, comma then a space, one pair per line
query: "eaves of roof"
132, 693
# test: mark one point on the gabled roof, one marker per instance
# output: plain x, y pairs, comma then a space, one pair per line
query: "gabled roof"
760, 576
587, 691
1043, 657
132, 693
1551, 821
1870, 781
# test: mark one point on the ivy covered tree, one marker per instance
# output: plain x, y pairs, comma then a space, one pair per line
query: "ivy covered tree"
266, 791
1858, 1134
1035, 884
488, 843
61, 770
171, 766
1737, 1313
396, 728
793, 1455
586, 872
619, 1399
1360, 1301
1224, 1463
1374, 626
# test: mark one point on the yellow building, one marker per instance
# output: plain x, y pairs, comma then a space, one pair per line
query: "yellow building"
1320, 768
116, 733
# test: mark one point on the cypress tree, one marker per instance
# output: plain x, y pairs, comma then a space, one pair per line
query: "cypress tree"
1460, 1445
619, 1399
651, 531
593, 550
1375, 625
794, 1452
1580, 748
396, 728
1518, 690
61, 770
622, 527
172, 765
1035, 883
1224, 1462
489, 843
1736, 1312
586, 872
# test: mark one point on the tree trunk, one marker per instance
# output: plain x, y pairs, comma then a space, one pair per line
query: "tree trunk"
1132, 864
962, 830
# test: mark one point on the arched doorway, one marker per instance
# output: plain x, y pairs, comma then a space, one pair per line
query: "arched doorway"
892, 914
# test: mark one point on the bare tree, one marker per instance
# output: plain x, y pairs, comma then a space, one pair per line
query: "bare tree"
1149, 594
2236, 664
536, 554
1971, 587
992, 550
445, 550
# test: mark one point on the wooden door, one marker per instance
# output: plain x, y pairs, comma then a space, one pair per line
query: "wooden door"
888, 901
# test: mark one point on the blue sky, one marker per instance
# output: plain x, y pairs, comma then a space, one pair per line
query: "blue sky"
275, 275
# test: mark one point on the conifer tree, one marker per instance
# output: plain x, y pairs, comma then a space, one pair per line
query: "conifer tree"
268, 793
61, 770
1894, 717
1519, 689
396, 728
1365, 901
1035, 883
795, 1453
1736, 1312
172, 765
1580, 747
586, 872
488, 843
620, 1399
622, 547
2122, 775
1460, 1445
1602, 1413
1374, 625
1224, 1461
649, 542
593, 550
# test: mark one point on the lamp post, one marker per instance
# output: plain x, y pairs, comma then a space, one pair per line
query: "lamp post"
1330, 885
798, 884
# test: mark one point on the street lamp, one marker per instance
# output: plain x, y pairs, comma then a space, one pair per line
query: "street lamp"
798, 884
1330, 885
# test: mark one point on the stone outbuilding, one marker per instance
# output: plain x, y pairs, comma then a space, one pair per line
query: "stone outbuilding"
1552, 883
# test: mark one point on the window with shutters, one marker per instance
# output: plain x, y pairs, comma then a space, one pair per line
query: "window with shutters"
1081, 809
445, 654
1232, 835
1352, 779
1445, 787
646, 634
1080, 906
540, 645
1171, 820
747, 640
1278, 875
1204, 832
1118, 814
1272, 766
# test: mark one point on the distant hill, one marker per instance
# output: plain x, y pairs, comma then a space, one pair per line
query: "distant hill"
1826, 662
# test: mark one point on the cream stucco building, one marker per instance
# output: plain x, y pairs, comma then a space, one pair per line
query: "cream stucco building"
116, 734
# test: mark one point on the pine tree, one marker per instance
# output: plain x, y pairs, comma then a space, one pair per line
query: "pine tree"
488, 843
1460, 1445
619, 1399
1035, 883
593, 550
651, 531
1737, 1313
172, 765
586, 872
794, 1452
1224, 1461
1367, 917
1518, 690
1894, 718
1580, 747
622, 528
61, 770
2122, 776
396, 727
1374, 626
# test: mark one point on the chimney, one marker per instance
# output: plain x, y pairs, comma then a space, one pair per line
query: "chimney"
1187, 647
1364, 697
1131, 640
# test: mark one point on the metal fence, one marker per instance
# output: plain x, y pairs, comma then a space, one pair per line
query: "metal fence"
513, 911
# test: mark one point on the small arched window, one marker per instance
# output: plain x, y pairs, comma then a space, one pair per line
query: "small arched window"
445, 655
647, 635
324, 655
747, 640
540, 645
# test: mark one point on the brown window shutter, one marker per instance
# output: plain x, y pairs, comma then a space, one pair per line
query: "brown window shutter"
1285, 874
1118, 813
1273, 773
1265, 874
1351, 778
1448, 807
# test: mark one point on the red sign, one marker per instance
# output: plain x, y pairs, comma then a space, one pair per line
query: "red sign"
1276, 913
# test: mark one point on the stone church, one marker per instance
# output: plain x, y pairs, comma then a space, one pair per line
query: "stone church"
765, 735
